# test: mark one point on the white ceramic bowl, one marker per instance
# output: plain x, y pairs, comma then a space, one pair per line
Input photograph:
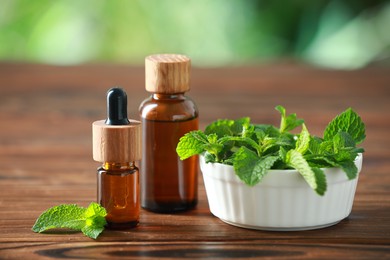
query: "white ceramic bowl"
282, 201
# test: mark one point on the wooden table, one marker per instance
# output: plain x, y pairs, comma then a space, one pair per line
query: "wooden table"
45, 156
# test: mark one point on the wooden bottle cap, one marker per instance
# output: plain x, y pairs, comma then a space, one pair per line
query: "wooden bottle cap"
167, 73
116, 143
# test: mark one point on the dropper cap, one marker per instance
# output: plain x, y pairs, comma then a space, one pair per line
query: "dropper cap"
116, 139
167, 73
117, 107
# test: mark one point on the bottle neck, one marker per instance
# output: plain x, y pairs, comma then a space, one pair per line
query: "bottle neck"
160, 96
118, 166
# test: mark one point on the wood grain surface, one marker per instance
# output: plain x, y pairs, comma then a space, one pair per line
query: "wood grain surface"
46, 114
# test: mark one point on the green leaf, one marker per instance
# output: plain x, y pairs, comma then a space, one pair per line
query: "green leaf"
249, 167
95, 210
314, 177
349, 168
348, 121
283, 154
241, 141
315, 145
221, 128
95, 215
225, 127
94, 220
268, 143
346, 154
320, 161
303, 141
240, 126
343, 139
326, 147
92, 231
289, 122
90, 221
211, 138
62, 216
209, 158
268, 130
321, 181
192, 143
281, 110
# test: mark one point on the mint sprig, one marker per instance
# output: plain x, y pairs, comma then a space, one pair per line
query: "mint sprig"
348, 122
289, 122
315, 177
90, 221
254, 149
251, 167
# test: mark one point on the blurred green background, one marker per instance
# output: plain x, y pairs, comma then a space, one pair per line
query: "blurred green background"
337, 34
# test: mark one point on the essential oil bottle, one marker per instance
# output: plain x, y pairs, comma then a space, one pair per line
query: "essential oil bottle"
117, 145
167, 183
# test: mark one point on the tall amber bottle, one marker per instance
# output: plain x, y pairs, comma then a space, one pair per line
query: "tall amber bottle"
167, 184
117, 145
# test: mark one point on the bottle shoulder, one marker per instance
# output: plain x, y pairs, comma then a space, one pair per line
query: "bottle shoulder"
168, 109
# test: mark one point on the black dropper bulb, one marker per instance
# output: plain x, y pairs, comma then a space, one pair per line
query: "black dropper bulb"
117, 107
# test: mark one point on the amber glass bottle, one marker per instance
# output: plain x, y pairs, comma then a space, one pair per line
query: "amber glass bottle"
118, 193
117, 144
167, 183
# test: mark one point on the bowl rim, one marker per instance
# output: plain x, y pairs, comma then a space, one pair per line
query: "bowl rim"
277, 178
357, 161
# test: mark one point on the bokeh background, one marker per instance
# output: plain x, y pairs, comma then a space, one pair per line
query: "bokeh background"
338, 34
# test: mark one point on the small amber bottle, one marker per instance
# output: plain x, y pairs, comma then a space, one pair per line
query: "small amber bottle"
117, 145
167, 183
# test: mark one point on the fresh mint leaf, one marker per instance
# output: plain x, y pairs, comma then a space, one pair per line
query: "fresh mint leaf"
320, 160
268, 143
242, 141
94, 220
95, 215
327, 147
62, 216
342, 140
214, 146
196, 142
212, 138
92, 231
348, 121
313, 176
260, 134
338, 152
349, 168
315, 145
346, 154
192, 143
289, 122
90, 221
225, 127
268, 130
249, 167
270, 139
244, 162
209, 158
271, 145
221, 128
283, 154
321, 181
241, 126
303, 141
